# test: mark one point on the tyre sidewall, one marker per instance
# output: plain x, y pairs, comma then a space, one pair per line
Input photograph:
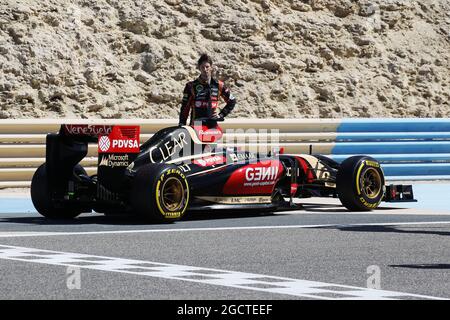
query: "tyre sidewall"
146, 192
39, 190
42, 198
349, 183
362, 168
162, 210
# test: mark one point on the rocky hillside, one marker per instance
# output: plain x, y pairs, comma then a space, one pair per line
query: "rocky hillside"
281, 58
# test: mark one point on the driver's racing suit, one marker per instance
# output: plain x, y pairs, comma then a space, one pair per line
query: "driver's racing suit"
202, 99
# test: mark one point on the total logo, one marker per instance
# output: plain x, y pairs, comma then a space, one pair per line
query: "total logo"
261, 174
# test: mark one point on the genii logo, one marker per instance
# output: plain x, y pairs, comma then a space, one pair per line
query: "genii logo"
261, 173
256, 178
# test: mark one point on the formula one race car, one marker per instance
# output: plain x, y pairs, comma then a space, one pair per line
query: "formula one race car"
184, 168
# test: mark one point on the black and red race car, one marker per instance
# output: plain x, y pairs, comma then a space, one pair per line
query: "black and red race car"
183, 168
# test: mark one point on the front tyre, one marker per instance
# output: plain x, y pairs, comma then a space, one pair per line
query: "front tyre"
160, 192
360, 183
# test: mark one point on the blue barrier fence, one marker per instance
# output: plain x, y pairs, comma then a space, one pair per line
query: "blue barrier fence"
408, 149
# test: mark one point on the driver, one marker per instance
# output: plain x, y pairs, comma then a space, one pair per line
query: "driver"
201, 96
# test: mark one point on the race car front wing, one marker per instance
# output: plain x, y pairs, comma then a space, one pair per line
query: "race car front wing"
399, 193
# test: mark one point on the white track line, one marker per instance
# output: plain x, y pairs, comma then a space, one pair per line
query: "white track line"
10, 234
218, 277
387, 211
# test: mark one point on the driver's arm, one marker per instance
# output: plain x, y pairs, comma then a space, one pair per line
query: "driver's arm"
186, 104
230, 100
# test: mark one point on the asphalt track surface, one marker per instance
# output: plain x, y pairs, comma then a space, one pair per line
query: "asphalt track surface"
400, 251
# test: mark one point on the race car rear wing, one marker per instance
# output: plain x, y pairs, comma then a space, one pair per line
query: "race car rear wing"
118, 145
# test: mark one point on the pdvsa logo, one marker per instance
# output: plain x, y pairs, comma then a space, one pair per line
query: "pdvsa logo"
129, 144
122, 139
104, 143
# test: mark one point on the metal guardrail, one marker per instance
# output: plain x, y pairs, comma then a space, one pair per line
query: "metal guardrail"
408, 149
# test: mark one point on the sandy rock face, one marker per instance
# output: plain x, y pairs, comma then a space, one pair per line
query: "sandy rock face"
281, 58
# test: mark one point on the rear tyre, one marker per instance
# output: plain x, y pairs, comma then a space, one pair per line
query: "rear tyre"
360, 183
160, 193
42, 198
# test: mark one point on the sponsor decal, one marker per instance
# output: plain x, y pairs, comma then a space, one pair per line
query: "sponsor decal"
372, 163
210, 161
130, 167
114, 160
104, 162
122, 143
201, 104
238, 200
87, 129
210, 131
104, 143
259, 176
255, 178
236, 157
367, 204
122, 139
199, 87
206, 134
169, 148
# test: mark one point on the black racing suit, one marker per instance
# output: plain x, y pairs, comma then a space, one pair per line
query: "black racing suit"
201, 100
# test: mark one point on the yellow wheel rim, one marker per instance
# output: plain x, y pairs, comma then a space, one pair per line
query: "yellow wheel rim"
172, 194
371, 183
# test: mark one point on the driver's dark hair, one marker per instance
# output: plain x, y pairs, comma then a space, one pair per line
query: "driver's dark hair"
204, 58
